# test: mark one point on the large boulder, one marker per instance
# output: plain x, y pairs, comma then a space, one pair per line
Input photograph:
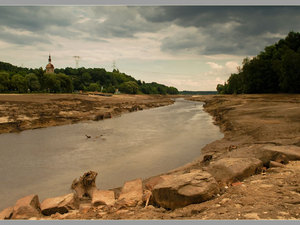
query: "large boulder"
6, 213
61, 204
132, 193
228, 170
177, 191
27, 207
152, 182
103, 197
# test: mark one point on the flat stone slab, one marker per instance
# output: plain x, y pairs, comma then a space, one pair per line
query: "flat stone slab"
103, 197
292, 152
132, 193
61, 204
177, 191
6, 213
228, 170
27, 207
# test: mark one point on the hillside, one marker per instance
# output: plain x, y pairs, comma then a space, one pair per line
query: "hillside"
67, 80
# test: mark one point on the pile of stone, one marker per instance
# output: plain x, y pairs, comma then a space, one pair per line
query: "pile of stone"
169, 191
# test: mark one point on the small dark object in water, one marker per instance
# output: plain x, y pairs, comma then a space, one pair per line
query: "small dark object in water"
88, 136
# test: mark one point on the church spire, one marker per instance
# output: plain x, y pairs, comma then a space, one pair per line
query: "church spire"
49, 58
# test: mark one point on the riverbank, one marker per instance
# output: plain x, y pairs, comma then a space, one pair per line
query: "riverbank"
255, 167
20, 112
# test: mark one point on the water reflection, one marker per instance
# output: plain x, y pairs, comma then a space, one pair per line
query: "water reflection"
140, 144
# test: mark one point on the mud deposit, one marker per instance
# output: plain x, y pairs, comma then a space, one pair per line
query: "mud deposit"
256, 166
20, 112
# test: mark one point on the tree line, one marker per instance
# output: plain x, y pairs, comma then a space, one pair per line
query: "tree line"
274, 70
67, 80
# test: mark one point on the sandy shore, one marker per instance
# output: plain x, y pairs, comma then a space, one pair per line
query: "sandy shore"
251, 124
30, 111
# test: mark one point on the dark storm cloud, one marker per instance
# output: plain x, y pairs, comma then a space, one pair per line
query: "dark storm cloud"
120, 22
21, 39
37, 21
34, 18
250, 33
216, 30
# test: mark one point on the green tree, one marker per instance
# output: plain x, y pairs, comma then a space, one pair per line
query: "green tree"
290, 73
172, 91
18, 83
65, 83
32, 82
129, 87
221, 88
86, 79
51, 83
4, 81
94, 87
110, 89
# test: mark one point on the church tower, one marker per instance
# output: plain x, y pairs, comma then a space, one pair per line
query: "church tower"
49, 67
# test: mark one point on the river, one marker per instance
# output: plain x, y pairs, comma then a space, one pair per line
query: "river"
135, 145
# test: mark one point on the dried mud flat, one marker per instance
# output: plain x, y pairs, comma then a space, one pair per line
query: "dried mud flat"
252, 173
20, 112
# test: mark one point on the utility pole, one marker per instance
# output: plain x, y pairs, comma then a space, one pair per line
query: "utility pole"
76, 60
114, 65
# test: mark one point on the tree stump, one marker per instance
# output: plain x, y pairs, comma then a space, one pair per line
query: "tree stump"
85, 186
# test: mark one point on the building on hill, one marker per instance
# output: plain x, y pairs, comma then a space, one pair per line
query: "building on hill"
49, 67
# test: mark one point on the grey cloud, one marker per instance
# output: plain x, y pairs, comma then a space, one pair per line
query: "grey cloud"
42, 21
35, 18
119, 22
248, 36
21, 39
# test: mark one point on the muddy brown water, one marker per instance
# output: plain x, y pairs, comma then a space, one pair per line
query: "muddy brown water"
140, 144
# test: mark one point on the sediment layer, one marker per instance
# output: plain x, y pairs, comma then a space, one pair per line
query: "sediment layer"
20, 112
252, 173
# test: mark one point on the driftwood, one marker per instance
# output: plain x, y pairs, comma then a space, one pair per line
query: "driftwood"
85, 186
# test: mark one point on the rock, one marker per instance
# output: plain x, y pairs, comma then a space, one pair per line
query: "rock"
27, 207
103, 197
69, 215
121, 211
102, 116
236, 184
6, 213
275, 164
181, 190
150, 184
292, 152
132, 193
252, 216
85, 186
228, 170
85, 208
61, 204
33, 218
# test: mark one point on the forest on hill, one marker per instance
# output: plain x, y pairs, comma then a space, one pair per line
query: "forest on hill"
14, 79
274, 70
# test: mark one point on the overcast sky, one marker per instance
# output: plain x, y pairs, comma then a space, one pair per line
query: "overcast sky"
191, 47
